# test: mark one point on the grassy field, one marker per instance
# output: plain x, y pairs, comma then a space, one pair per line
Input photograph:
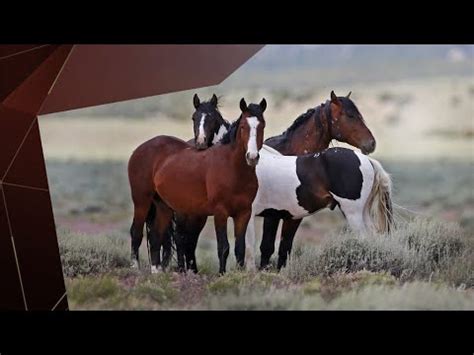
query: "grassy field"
425, 140
423, 265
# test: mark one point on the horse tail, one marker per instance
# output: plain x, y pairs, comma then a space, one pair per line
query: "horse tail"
169, 244
150, 217
378, 207
172, 232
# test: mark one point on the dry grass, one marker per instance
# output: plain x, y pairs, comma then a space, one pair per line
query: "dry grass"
423, 265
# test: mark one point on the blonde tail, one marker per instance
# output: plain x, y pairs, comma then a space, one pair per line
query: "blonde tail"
378, 208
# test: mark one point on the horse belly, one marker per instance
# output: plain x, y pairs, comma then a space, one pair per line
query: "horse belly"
179, 194
277, 184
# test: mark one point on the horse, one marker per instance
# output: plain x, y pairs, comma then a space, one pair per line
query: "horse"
209, 127
208, 124
219, 181
293, 187
337, 118
311, 132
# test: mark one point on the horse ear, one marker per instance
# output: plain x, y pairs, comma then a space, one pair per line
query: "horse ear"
334, 98
214, 100
349, 94
243, 105
196, 101
263, 105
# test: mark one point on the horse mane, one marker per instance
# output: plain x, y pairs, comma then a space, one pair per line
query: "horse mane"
208, 102
231, 134
301, 119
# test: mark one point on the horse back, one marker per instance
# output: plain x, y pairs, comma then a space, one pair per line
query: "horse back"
147, 156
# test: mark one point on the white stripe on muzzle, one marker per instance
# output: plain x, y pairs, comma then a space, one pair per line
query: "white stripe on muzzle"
201, 139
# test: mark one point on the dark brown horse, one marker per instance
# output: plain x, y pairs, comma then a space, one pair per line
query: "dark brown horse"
209, 127
219, 181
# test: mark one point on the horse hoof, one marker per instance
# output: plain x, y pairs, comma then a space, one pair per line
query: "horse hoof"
134, 264
156, 270
250, 267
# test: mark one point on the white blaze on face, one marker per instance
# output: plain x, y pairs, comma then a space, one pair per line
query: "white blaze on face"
202, 134
252, 148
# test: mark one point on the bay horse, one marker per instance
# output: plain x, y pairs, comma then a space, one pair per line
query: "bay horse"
311, 132
209, 127
219, 181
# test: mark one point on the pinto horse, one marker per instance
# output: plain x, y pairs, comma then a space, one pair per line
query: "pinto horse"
337, 118
209, 127
293, 187
219, 181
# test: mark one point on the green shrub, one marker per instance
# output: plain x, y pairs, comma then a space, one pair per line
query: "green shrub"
412, 296
157, 288
94, 254
418, 249
236, 282
91, 289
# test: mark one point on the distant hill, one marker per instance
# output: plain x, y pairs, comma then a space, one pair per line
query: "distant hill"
317, 65
284, 56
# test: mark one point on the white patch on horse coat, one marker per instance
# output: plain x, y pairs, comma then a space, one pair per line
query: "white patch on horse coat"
271, 150
354, 209
202, 135
277, 183
220, 133
252, 148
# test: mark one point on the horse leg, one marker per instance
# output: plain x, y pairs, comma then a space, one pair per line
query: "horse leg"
195, 227
220, 224
151, 225
355, 218
267, 246
241, 222
167, 245
180, 240
290, 226
162, 221
136, 230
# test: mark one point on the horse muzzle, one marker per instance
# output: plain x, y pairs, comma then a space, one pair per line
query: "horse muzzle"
252, 159
201, 145
368, 147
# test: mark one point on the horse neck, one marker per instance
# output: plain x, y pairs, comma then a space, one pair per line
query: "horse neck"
237, 158
312, 136
218, 132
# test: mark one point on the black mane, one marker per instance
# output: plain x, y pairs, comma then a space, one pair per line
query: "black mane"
209, 106
301, 119
231, 134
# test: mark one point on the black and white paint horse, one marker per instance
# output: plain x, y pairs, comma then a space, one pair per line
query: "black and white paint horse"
293, 187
